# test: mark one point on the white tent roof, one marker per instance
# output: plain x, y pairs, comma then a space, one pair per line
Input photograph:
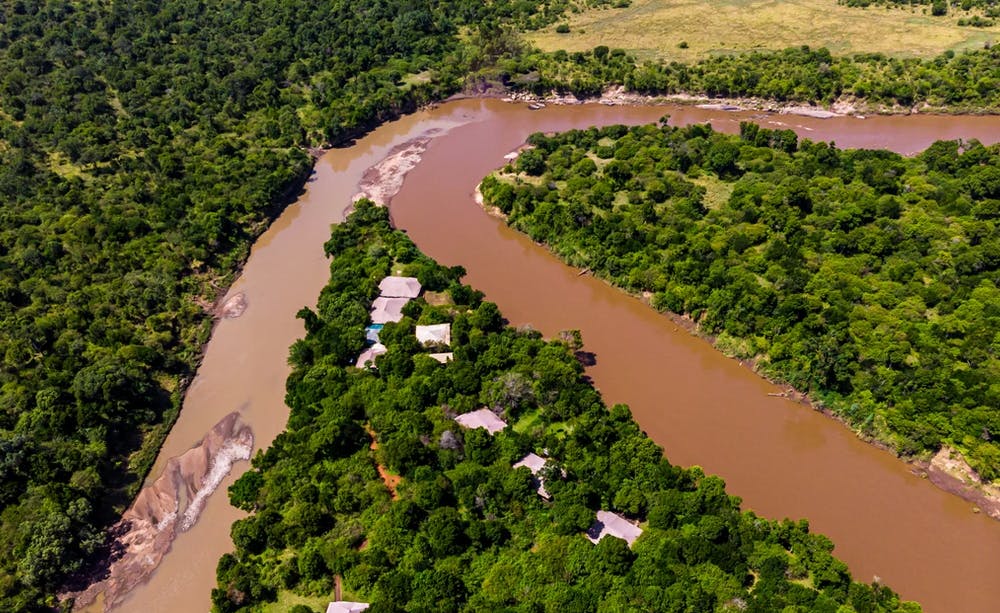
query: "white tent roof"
385, 310
532, 461
399, 287
343, 606
369, 355
612, 524
437, 333
482, 418
443, 357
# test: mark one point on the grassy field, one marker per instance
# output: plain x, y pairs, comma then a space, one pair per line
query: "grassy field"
287, 600
653, 29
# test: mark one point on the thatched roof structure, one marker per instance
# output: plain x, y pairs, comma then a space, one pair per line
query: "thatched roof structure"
436, 334
368, 355
385, 310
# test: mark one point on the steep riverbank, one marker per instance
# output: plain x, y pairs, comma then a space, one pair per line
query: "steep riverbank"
619, 96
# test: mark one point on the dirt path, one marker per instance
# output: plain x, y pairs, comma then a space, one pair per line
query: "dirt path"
390, 480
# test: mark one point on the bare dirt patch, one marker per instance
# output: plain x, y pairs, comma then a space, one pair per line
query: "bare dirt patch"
391, 481
949, 471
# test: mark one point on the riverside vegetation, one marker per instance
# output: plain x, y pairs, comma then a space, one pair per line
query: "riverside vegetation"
864, 278
870, 82
143, 147
463, 530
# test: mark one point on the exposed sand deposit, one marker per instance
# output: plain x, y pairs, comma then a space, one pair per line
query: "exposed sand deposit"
384, 180
168, 506
234, 307
949, 471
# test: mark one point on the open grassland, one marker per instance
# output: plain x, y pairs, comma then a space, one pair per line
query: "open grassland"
654, 29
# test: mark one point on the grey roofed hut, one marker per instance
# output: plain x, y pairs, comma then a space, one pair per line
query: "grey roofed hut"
534, 463
482, 418
442, 357
385, 310
612, 524
399, 287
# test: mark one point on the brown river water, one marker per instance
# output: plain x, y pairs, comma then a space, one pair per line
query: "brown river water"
784, 459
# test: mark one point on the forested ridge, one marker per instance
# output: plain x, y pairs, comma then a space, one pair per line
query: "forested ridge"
864, 278
462, 529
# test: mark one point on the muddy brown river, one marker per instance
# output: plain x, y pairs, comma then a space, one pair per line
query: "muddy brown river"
784, 459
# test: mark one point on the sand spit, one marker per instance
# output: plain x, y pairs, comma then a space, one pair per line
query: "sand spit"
234, 307
384, 180
166, 507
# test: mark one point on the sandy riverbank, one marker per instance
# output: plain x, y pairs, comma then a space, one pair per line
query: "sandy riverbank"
619, 96
165, 508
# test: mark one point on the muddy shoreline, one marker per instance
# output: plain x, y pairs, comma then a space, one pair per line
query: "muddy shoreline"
619, 96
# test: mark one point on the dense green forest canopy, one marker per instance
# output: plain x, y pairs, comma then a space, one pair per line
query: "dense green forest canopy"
463, 529
865, 278
951, 82
938, 8
144, 145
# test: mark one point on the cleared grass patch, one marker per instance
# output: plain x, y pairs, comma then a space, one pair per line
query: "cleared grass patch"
653, 29
411, 80
287, 600
62, 166
717, 191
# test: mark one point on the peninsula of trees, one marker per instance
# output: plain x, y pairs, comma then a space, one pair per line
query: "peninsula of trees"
864, 278
450, 524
